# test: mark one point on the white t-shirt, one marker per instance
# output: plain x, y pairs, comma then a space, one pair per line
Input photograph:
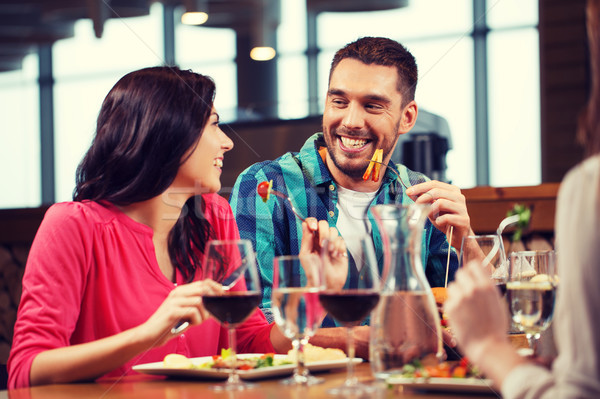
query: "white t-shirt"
352, 220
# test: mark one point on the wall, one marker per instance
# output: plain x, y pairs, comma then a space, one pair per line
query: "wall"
565, 82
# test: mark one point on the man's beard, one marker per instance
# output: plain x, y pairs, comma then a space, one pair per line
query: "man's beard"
354, 172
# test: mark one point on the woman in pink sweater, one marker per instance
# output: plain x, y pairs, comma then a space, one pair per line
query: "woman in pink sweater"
112, 272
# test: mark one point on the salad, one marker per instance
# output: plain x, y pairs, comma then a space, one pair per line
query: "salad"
460, 369
225, 360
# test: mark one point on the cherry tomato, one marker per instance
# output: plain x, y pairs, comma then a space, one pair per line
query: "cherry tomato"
263, 189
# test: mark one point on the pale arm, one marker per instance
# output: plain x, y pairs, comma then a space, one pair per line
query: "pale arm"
93, 359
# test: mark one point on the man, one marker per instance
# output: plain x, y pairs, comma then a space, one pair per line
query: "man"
369, 104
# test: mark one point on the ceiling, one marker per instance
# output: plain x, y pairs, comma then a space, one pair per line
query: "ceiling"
25, 24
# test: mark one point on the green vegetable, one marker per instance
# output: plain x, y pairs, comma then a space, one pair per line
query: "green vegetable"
524, 213
267, 361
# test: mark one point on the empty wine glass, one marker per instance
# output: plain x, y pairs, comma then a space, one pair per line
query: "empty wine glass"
531, 292
488, 251
296, 307
350, 304
232, 264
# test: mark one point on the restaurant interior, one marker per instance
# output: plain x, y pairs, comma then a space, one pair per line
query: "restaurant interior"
266, 115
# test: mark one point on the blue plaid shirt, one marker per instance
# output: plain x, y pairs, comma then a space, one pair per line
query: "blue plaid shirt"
274, 229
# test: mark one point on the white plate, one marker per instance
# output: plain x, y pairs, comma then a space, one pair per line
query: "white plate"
157, 368
471, 385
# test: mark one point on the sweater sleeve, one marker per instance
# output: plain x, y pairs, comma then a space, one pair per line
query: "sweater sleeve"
53, 283
576, 371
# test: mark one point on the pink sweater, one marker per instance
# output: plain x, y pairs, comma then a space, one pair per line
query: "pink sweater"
92, 273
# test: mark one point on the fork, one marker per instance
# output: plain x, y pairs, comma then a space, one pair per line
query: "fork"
289, 201
227, 285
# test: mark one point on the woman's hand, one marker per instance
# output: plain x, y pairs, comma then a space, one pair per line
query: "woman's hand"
448, 207
184, 303
93, 359
475, 311
322, 246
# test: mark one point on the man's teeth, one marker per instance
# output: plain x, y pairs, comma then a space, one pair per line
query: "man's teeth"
356, 143
218, 162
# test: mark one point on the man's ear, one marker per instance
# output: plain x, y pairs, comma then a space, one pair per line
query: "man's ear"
409, 117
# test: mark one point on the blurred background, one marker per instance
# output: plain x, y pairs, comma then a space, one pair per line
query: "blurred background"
500, 81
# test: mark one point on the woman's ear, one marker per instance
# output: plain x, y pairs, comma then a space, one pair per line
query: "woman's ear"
409, 117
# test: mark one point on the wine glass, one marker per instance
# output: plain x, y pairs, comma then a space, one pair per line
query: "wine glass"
232, 264
531, 292
488, 251
350, 304
296, 307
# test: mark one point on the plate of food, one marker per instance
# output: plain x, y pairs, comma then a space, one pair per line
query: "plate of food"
250, 366
446, 376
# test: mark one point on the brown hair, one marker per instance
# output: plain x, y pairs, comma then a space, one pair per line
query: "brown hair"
386, 52
146, 127
588, 132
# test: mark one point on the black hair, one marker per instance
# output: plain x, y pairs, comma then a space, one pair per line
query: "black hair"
147, 124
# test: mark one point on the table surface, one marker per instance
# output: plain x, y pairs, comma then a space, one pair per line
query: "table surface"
148, 387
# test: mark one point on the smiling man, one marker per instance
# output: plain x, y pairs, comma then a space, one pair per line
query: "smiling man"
369, 104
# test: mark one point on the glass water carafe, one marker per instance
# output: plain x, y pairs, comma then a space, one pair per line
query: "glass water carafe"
405, 325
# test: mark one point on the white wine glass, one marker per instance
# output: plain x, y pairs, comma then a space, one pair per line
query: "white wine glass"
232, 264
352, 303
487, 251
296, 307
531, 292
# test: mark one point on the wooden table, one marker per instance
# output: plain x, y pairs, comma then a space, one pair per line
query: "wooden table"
147, 387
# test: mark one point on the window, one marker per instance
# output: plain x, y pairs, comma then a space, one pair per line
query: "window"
85, 69
514, 93
211, 51
20, 136
443, 49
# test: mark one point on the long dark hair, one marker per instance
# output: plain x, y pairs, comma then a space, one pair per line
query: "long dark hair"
148, 122
588, 132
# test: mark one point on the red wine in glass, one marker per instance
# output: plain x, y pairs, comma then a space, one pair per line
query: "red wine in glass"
233, 307
350, 306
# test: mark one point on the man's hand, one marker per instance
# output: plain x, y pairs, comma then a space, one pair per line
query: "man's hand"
448, 208
336, 337
323, 246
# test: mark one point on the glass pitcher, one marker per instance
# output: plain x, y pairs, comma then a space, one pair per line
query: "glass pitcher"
405, 326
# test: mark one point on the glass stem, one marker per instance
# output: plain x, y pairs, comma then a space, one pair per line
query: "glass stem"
233, 378
350, 378
299, 347
532, 340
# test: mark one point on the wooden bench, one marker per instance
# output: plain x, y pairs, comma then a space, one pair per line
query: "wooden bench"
487, 207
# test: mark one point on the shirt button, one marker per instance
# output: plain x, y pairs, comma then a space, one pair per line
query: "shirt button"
331, 213
331, 187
